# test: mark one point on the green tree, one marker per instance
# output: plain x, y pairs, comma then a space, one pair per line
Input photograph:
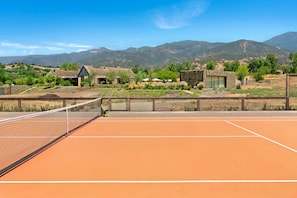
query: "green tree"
69, 66
242, 72
231, 66
124, 77
92, 77
172, 67
210, 65
3, 76
140, 76
293, 63
50, 80
110, 77
30, 80
137, 68
187, 65
259, 75
166, 74
272, 63
256, 64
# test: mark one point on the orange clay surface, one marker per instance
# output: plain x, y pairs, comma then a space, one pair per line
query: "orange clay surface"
165, 157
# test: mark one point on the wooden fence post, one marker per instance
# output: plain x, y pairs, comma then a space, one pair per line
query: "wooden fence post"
154, 104
128, 105
242, 104
20, 105
198, 105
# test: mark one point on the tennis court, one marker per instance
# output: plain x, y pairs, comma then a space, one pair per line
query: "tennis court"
165, 155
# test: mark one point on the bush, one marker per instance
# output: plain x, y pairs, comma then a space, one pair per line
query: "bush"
67, 83
200, 86
258, 76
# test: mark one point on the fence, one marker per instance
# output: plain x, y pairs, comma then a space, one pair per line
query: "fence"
155, 104
200, 104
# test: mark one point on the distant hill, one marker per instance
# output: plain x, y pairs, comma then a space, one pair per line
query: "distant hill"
170, 52
286, 41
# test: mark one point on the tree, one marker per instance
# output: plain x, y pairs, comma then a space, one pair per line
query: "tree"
242, 72
231, 66
92, 77
166, 74
210, 65
69, 66
110, 77
3, 76
140, 76
187, 65
124, 77
293, 63
256, 64
30, 81
172, 67
50, 80
137, 68
259, 75
271, 62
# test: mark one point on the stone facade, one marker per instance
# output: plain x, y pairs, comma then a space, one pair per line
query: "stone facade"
210, 79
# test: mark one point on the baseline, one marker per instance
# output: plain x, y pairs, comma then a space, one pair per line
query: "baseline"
142, 181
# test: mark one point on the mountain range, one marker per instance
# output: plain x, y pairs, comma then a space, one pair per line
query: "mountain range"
177, 52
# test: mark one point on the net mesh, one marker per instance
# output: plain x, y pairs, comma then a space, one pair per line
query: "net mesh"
24, 136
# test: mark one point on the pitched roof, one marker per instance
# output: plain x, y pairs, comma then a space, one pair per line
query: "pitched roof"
64, 73
102, 71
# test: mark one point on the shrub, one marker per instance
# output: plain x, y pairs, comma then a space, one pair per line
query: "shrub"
200, 86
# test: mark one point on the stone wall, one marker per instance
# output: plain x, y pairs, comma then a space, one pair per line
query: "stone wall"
230, 77
194, 77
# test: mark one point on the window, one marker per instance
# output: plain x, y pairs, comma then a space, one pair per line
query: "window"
216, 82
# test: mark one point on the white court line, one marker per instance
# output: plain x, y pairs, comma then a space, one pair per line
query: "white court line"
106, 120
124, 137
142, 181
27, 137
261, 136
149, 120
156, 137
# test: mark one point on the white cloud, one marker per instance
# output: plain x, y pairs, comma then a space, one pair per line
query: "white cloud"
54, 48
179, 15
8, 48
72, 45
18, 45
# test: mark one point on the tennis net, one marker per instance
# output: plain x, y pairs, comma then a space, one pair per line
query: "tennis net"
25, 136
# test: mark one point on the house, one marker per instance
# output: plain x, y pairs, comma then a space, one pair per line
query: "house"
66, 75
99, 75
210, 78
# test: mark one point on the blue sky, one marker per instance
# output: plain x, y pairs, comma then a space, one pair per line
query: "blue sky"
64, 26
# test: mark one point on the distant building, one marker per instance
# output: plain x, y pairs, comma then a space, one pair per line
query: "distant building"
210, 79
99, 75
66, 75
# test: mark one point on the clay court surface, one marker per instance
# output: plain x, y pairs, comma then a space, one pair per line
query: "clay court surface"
174, 156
